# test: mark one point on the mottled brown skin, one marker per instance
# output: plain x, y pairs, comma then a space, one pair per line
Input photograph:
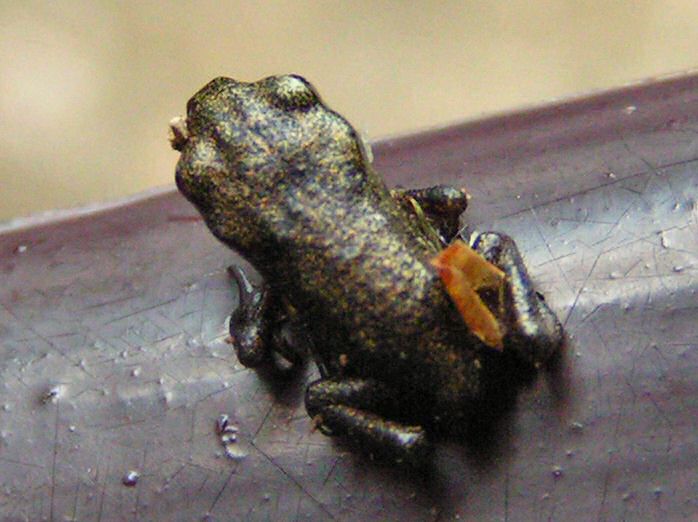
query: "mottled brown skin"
285, 181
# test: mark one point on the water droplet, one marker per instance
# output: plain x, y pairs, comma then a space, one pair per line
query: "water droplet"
51, 395
266, 497
130, 479
577, 426
557, 472
124, 354
663, 240
222, 423
614, 275
6, 407
611, 175
136, 371
678, 269
627, 496
630, 109
21, 249
677, 206
657, 491
228, 438
569, 454
235, 452
71, 428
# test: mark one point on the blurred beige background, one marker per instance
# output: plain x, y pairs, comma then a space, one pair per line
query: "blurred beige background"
87, 88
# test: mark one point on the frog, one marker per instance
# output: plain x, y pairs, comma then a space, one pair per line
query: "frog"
350, 271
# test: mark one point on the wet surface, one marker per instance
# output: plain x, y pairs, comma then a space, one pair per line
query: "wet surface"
114, 366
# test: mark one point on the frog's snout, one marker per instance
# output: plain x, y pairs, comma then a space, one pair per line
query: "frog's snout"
178, 134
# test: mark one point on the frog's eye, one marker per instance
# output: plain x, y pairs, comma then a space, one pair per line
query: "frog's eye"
294, 92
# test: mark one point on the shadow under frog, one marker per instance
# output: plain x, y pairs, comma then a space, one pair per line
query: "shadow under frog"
348, 269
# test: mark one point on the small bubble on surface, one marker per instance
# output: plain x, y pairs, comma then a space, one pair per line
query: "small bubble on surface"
21, 249
130, 479
557, 472
630, 109
577, 426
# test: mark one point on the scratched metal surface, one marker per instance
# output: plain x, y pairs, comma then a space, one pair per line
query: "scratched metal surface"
112, 352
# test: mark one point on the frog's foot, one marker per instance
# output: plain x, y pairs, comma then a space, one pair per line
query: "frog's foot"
440, 206
258, 331
348, 407
533, 331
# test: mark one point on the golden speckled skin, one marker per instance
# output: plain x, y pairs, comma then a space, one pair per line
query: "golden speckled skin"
284, 181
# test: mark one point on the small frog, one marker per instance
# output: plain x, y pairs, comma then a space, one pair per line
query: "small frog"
403, 327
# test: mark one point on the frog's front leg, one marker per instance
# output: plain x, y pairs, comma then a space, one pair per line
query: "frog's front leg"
441, 205
259, 328
533, 330
352, 406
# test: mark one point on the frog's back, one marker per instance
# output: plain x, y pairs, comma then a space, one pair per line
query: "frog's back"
360, 272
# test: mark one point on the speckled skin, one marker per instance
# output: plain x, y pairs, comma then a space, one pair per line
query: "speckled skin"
285, 181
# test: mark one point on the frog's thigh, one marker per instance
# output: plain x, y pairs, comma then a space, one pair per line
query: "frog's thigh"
442, 204
534, 331
348, 407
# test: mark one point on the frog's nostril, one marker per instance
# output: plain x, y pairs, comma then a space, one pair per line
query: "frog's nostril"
178, 132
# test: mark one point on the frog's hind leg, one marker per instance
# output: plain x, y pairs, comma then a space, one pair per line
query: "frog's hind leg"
259, 330
350, 407
534, 332
440, 205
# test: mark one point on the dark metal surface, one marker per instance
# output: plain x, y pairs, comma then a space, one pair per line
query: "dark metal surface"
113, 356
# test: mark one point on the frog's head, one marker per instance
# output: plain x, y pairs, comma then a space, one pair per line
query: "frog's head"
250, 148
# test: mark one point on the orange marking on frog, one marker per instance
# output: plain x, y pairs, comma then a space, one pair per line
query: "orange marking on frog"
463, 272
